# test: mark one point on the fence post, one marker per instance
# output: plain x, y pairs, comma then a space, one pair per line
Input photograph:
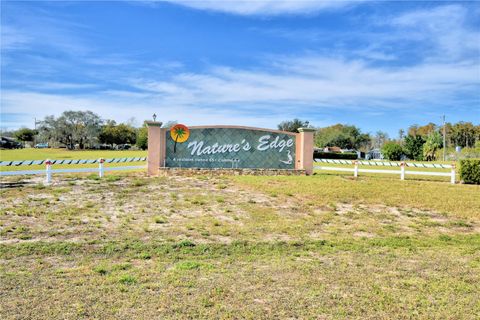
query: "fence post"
48, 171
452, 177
100, 167
402, 170
355, 170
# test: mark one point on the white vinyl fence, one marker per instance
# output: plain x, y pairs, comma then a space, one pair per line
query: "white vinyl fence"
402, 172
48, 171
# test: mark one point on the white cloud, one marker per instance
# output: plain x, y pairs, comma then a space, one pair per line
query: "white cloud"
13, 38
317, 81
286, 87
26, 28
294, 87
443, 26
266, 7
122, 106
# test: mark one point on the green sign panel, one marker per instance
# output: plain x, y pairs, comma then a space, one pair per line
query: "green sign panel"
229, 148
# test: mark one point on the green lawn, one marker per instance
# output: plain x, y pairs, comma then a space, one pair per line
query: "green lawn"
57, 154
50, 153
318, 247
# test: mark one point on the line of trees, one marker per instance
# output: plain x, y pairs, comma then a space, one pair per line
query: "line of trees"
84, 130
426, 142
416, 143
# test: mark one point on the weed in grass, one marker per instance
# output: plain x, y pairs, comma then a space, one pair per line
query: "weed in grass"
160, 220
444, 237
127, 279
122, 266
187, 265
94, 177
145, 256
461, 224
90, 204
139, 182
101, 269
113, 178
184, 244
199, 201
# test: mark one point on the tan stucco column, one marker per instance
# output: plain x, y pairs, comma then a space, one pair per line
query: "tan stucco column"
305, 149
156, 147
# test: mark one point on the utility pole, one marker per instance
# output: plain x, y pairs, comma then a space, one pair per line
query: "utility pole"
35, 133
444, 139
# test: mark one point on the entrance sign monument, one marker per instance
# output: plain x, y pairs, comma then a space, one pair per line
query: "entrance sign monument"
228, 147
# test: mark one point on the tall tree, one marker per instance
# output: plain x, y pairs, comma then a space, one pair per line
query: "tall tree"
118, 134
343, 136
125, 134
413, 147
379, 139
463, 134
293, 125
72, 128
25, 134
416, 130
142, 137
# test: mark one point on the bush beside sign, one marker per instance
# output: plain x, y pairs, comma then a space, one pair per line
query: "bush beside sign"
470, 171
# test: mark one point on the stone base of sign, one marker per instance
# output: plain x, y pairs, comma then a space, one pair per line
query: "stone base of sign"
231, 172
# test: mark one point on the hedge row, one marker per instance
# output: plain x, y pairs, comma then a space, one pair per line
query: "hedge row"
334, 155
470, 171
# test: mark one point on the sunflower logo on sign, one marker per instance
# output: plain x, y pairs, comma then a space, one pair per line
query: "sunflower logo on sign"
180, 134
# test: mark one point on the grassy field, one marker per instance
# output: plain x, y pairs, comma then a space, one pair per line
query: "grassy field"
319, 247
50, 153
57, 154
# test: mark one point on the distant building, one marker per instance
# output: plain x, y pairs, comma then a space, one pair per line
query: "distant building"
332, 149
374, 154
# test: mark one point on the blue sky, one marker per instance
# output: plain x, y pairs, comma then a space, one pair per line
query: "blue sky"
378, 65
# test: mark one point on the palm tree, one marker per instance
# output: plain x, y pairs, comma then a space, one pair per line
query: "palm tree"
180, 134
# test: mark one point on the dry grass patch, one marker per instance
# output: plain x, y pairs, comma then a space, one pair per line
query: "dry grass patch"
238, 247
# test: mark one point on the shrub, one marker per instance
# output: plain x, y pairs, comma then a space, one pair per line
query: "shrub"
413, 147
334, 155
470, 171
392, 151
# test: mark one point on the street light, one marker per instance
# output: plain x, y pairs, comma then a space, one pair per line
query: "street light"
154, 117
